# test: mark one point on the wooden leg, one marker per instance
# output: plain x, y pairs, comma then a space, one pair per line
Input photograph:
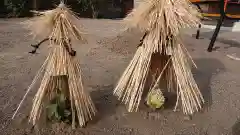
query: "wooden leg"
199, 26
219, 24
215, 34
198, 31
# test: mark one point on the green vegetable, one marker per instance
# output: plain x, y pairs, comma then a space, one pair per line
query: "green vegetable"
52, 110
58, 110
155, 99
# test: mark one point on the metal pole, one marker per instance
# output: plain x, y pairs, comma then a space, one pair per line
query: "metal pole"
199, 26
219, 24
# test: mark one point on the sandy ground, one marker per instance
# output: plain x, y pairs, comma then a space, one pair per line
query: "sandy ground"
103, 60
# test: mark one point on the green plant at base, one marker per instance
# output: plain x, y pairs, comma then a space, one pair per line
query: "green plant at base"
58, 109
155, 99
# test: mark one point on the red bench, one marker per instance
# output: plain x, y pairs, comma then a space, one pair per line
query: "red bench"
223, 5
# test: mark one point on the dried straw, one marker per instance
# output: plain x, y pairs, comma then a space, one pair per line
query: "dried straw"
44, 23
162, 21
58, 23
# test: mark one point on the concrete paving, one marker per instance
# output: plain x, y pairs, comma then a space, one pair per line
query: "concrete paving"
217, 75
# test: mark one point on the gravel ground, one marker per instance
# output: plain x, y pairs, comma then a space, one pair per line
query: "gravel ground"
103, 60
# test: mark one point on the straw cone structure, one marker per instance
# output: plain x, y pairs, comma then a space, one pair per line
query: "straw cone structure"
161, 53
59, 24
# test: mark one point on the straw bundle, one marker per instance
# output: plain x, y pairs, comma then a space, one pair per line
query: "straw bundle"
161, 55
45, 22
61, 71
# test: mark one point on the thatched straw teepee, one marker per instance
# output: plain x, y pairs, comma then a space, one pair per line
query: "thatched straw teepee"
61, 94
161, 57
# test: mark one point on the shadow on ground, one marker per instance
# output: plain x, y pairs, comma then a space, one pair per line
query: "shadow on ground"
207, 34
230, 43
105, 102
206, 68
236, 128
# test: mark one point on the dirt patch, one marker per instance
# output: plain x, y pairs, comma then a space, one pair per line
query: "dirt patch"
124, 43
103, 60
